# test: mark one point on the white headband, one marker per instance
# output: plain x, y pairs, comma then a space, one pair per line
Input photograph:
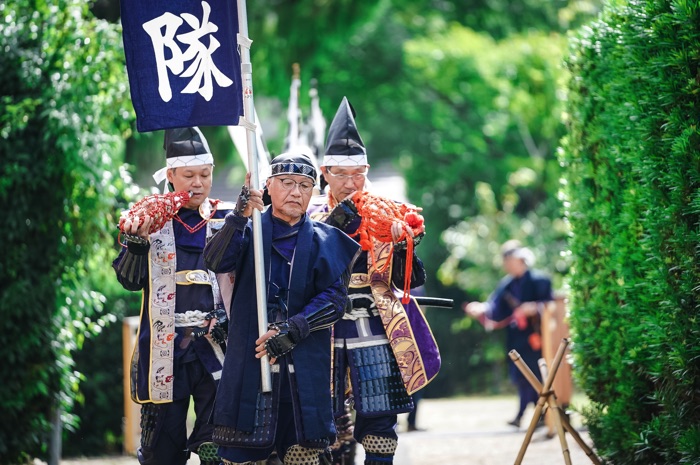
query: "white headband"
345, 160
188, 160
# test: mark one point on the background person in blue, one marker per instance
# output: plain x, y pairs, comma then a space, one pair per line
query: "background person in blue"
517, 304
307, 267
175, 356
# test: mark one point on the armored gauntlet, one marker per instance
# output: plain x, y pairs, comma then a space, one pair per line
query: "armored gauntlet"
284, 341
298, 327
343, 214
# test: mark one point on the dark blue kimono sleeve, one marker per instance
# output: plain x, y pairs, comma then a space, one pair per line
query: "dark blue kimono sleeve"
324, 309
498, 307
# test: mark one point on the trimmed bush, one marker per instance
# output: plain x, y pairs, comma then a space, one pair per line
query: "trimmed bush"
62, 119
632, 172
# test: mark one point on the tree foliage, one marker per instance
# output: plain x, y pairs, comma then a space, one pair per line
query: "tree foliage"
62, 117
631, 160
356, 49
480, 157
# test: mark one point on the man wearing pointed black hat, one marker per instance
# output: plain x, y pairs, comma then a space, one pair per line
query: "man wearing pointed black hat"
306, 267
383, 347
180, 347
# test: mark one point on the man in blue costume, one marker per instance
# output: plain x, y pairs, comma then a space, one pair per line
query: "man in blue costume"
517, 304
384, 351
180, 346
306, 266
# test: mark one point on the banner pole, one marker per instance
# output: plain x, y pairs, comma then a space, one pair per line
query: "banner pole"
248, 121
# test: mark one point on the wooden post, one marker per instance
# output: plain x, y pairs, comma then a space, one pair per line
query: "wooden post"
555, 412
548, 397
555, 327
544, 392
131, 427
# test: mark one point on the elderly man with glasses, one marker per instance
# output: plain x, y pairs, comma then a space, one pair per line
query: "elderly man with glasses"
306, 269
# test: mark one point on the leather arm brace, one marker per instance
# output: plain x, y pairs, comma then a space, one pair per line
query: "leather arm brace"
298, 327
398, 270
217, 249
343, 215
132, 268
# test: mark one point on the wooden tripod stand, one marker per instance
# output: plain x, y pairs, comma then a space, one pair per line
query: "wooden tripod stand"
549, 399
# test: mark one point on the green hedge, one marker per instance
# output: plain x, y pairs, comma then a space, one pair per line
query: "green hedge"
101, 397
481, 160
62, 120
632, 172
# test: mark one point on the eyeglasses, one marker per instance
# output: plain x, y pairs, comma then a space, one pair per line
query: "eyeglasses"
288, 185
357, 177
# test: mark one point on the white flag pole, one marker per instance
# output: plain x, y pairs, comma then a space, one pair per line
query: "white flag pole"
293, 108
248, 121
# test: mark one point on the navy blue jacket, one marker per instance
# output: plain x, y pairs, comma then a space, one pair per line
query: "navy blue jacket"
321, 257
509, 294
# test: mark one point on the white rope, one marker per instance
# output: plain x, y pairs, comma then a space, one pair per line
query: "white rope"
190, 318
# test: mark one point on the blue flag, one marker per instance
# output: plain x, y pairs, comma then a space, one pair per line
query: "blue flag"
183, 62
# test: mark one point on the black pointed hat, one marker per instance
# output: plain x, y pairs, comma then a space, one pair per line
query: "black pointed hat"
344, 146
184, 147
185, 142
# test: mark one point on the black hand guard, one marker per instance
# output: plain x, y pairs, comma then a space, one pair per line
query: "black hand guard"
219, 332
343, 214
242, 201
133, 239
281, 343
322, 318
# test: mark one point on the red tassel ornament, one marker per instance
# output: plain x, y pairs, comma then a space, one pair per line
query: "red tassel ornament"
161, 207
378, 215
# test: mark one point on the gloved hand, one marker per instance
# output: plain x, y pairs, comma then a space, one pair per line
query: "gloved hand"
219, 332
343, 214
242, 201
284, 341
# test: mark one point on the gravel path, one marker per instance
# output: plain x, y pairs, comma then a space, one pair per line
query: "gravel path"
465, 431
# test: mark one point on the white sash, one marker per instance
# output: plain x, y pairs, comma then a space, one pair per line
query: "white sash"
161, 309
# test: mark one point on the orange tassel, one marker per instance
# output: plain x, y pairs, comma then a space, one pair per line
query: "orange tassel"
378, 215
161, 207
